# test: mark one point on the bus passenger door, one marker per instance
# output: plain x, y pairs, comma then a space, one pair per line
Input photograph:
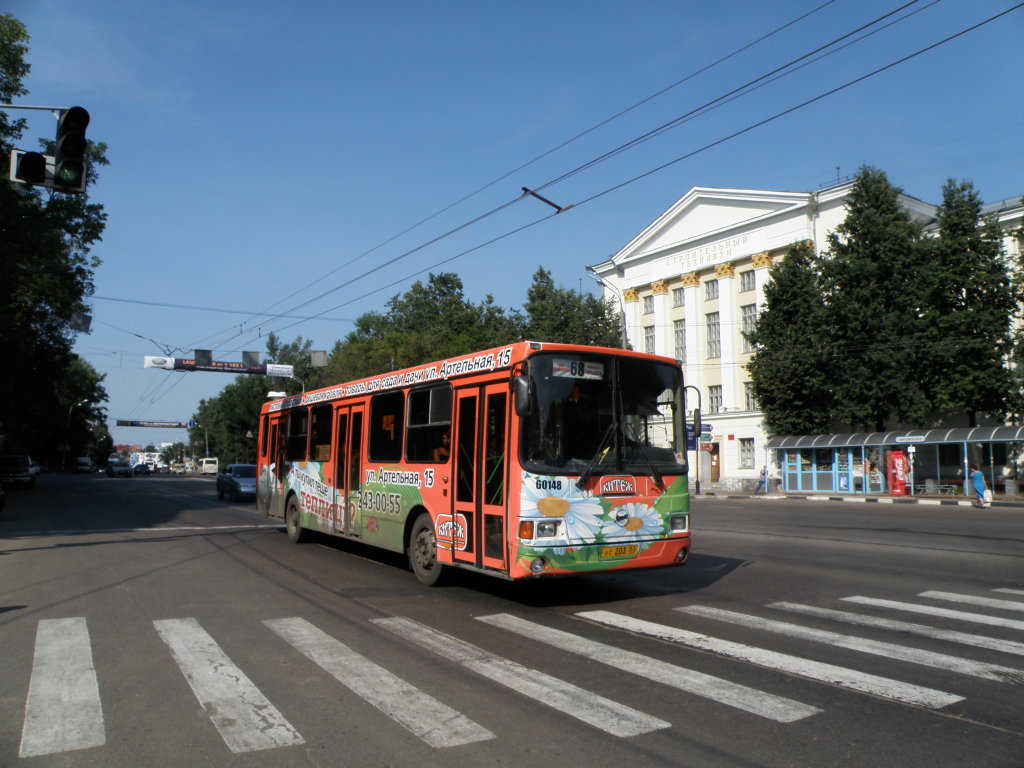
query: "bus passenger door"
479, 524
347, 467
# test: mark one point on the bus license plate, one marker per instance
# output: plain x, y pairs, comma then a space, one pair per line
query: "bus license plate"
626, 550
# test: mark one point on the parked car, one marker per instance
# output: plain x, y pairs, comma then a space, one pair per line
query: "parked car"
141, 469
17, 470
118, 468
84, 464
237, 481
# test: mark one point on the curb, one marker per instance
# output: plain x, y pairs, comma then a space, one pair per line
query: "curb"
856, 499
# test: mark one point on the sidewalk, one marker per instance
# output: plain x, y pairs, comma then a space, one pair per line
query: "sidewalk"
1014, 502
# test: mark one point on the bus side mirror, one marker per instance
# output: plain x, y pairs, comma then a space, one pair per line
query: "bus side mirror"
521, 395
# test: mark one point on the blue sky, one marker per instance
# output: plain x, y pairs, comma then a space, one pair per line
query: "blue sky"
263, 154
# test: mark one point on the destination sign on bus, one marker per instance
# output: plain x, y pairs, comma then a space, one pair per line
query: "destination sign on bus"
577, 369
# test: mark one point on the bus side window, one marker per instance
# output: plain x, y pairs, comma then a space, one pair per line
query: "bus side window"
386, 426
298, 424
320, 433
429, 424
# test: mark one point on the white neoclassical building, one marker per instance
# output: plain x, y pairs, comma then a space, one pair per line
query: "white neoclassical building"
694, 279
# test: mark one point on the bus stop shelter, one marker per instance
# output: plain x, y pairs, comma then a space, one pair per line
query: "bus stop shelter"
909, 462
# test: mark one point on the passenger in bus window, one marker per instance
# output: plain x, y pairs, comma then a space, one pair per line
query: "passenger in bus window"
443, 451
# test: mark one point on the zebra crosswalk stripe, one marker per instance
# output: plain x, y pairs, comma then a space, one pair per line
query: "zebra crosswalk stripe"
814, 670
985, 602
931, 610
894, 625
756, 702
605, 714
862, 644
437, 724
63, 711
243, 716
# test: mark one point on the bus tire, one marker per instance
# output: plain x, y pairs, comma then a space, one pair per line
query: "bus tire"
293, 522
423, 553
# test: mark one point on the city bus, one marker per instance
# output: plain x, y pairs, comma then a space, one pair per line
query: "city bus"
528, 460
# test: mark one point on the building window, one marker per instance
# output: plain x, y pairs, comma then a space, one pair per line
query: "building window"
679, 339
678, 299
748, 396
711, 289
714, 334
748, 316
648, 305
649, 339
746, 453
747, 282
715, 398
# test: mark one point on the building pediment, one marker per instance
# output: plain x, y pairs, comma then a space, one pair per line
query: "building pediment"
705, 216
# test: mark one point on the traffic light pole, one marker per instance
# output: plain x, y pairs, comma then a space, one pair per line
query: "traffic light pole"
696, 440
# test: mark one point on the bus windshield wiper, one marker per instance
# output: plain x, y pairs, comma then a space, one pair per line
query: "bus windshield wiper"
643, 452
602, 450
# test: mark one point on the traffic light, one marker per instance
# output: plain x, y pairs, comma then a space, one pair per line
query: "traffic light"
69, 150
29, 167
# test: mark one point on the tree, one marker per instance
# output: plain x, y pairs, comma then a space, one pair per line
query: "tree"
789, 369
872, 283
559, 314
47, 269
971, 298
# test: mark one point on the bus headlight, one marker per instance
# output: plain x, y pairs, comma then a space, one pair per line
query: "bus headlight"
547, 529
679, 523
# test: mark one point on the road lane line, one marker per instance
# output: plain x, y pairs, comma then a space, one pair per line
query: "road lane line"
863, 645
1008, 591
434, 722
930, 610
923, 630
243, 716
756, 702
813, 670
605, 714
63, 711
985, 602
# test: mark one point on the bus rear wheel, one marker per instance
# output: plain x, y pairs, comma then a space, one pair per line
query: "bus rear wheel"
292, 523
423, 553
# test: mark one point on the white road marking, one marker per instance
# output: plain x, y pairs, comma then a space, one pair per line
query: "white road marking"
243, 716
756, 702
434, 722
63, 711
863, 645
930, 610
985, 602
609, 716
949, 635
1008, 591
814, 670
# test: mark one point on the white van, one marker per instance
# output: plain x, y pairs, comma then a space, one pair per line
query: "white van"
84, 464
208, 466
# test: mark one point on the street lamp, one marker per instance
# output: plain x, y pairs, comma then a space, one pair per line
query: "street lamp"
67, 433
622, 308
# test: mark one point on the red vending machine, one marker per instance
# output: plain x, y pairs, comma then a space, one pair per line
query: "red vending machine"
899, 471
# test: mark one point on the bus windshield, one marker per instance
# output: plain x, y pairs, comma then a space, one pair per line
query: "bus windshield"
594, 414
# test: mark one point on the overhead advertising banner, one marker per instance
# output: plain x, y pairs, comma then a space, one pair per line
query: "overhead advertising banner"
189, 364
167, 424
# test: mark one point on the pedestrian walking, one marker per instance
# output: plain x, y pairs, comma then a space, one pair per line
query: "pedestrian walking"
978, 483
763, 482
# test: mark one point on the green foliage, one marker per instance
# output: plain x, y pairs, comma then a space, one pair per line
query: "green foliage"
971, 299
790, 368
872, 277
562, 315
47, 268
889, 328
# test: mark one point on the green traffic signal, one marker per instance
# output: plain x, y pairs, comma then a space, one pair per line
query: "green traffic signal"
69, 150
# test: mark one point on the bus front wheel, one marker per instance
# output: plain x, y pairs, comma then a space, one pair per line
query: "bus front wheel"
292, 522
423, 553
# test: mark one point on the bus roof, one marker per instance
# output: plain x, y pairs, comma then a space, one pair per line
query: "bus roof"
487, 360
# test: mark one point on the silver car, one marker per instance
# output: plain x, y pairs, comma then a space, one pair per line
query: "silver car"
237, 481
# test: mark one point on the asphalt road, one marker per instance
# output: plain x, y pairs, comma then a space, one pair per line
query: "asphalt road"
145, 623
